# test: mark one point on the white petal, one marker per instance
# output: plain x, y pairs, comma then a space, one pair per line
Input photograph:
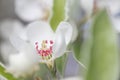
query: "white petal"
20, 64
48, 3
7, 27
116, 23
67, 30
20, 31
24, 61
59, 46
74, 32
114, 6
6, 49
17, 42
30, 10
39, 31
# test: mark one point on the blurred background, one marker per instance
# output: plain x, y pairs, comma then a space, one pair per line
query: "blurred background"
9, 19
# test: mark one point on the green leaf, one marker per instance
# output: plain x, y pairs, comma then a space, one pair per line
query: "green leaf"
104, 52
5, 74
58, 13
60, 64
44, 72
82, 48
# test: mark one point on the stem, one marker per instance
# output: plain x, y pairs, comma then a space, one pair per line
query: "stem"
53, 70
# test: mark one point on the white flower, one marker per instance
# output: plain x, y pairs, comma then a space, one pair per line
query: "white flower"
49, 45
40, 38
30, 10
18, 60
24, 61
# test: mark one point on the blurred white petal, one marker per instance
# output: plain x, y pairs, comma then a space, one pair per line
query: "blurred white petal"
6, 49
39, 31
67, 30
20, 64
116, 23
74, 32
30, 10
59, 46
9, 26
17, 42
25, 58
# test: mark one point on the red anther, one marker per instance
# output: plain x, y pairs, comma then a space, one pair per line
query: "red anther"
44, 52
36, 43
51, 42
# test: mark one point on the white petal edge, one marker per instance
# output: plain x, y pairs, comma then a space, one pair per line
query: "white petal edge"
39, 31
6, 49
28, 10
8, 26
67, 31
17, 42
59, 46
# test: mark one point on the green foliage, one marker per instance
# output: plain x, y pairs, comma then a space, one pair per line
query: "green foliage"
58, 13
5, 74
104, 52
99, 51
82, 50
60, 64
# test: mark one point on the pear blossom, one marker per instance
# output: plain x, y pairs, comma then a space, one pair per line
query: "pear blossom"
23, 62
43, 45
48, 44
31, 10
18, 60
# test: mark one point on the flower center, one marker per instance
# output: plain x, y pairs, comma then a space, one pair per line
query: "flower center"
46, 49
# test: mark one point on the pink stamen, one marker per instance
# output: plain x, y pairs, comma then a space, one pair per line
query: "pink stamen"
36, 43
51, 42
45, 51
